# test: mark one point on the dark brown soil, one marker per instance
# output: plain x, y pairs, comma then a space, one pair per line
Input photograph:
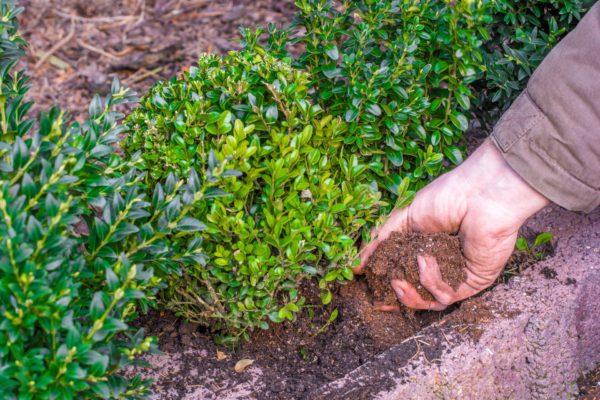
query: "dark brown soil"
299, 357
549, 273
302, 356
396, 258
589, 385
139, 41
473, 314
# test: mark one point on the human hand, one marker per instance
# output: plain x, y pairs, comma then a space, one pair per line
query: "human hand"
485, 202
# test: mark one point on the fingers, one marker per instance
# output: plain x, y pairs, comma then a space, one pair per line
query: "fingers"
386, 308
409, 296
396, 222
430, 277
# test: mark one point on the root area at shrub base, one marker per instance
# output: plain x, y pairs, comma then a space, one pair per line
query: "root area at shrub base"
297, 358
293, 357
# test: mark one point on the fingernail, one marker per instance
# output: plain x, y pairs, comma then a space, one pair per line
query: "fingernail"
398, 290
421, 262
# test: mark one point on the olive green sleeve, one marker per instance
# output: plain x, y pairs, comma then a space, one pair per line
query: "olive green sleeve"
551, 134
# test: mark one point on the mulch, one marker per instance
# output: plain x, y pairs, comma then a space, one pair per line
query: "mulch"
76, 47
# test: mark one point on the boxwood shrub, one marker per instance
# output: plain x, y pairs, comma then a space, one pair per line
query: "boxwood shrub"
397, 72
293, 210
522, 33
79, 240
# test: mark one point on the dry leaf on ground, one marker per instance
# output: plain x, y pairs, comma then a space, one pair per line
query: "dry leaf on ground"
243, 364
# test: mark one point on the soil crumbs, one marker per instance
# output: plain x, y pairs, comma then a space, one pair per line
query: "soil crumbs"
297, 358
395, 258
589, 385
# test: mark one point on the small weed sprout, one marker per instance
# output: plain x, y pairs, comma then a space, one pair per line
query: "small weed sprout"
537, 249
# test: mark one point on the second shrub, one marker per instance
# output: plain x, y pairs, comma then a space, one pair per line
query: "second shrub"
292, 206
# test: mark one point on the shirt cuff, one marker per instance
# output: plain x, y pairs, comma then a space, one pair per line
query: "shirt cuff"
523, 135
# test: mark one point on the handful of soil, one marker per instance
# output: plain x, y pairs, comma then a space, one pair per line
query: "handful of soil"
396, 258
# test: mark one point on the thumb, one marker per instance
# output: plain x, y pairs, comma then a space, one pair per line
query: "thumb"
397, 221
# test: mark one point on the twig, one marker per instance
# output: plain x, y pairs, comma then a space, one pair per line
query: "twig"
110, 25
123, 52
418, 351
415, 337
96, 50
188, 8
143, 75
198, 15
140, 19
57, 46
444, 334
53, 60
97, 20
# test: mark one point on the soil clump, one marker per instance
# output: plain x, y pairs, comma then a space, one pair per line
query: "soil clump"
396, 258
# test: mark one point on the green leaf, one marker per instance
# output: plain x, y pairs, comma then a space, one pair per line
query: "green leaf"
98, 362
101, 389
522, 244
214, 192
351, 115
459, 121
111, 279
180, 122
395, 156
543, 238
95, 108
331, 71
332, 51
454, 154
464, 101
96, 306
435, 138
158, 101
272, 113
112, 325
331, 275
374, 109
440, 66
347, 273
189, 224
333, 316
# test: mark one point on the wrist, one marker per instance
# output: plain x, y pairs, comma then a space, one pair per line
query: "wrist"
492, 181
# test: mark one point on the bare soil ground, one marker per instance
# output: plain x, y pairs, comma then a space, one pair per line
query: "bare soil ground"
297, 358
589, 386
294, 358
78, 46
